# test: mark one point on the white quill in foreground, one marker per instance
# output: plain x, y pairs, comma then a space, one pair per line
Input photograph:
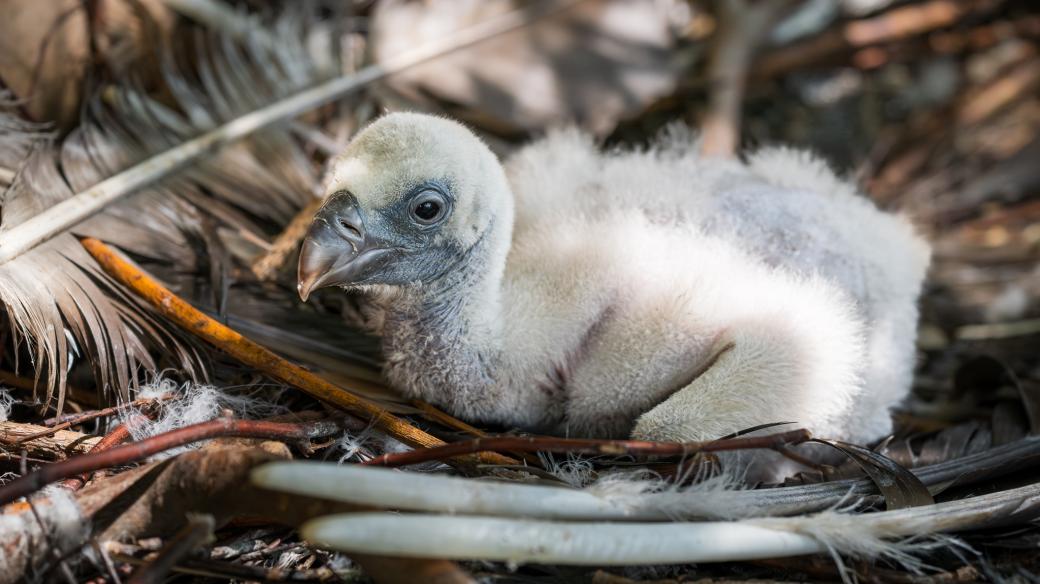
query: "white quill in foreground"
599, 542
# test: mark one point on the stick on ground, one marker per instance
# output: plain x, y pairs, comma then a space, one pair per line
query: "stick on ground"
587, 447
219, 428
267, 266
114, 438
251, 353
743, 24
197, 532
82, 417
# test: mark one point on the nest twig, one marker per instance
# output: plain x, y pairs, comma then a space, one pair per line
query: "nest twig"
222, 337
587, 447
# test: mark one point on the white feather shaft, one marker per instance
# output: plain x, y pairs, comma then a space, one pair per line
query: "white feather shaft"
64, 215
600, 544
381, 487
619, 499
573, 543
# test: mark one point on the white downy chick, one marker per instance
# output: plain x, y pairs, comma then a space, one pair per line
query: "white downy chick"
647, 293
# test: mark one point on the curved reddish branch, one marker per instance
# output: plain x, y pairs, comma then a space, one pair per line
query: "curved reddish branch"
588, 447
219, 428
111, 440
251, 353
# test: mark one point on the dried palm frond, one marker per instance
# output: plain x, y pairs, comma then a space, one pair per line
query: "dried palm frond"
17, 137
58, 301
232, 89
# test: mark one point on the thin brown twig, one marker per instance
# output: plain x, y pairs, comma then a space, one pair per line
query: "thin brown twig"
743, 24
111, 440
197, 532
235, 571
53, 548
76, 419
27, 384
106, 560
120, 455
587, 447
435, 415
251, 353
288, 241
59, 446
795, 457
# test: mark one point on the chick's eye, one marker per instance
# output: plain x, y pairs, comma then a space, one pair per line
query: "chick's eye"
428, 208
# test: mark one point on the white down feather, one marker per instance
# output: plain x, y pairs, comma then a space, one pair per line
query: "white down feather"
779, 242
646, 292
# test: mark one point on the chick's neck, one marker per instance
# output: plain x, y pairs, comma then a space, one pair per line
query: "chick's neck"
448, 331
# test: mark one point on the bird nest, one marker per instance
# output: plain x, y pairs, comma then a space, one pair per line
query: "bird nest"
170, 406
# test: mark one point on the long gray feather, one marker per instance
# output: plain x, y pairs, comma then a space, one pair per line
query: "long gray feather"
57, 300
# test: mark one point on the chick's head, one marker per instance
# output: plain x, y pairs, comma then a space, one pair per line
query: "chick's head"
406, 202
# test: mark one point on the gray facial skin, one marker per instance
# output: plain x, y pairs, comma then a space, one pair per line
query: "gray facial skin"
391, 246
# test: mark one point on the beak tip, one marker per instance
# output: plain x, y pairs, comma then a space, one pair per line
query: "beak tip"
309, 269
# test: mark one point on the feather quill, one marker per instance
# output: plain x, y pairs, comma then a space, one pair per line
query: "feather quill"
90, 201
872, 535
614, 497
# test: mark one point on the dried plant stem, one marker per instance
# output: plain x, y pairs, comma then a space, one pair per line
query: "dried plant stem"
76, 419
219, 428
554, 542
197, 532
742, 26
998, 330
381, 570
57, 446
26, 384
324, 143
433, 414
30, 233
111, 440
233, 571
372, 487
587, 447
263, 359
267, 266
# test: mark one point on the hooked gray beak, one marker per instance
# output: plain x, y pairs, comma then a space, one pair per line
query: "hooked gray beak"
337, 249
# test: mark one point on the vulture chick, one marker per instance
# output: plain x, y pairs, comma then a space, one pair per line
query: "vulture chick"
647, 293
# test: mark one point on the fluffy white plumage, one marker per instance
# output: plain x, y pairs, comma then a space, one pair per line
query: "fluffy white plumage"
650, 293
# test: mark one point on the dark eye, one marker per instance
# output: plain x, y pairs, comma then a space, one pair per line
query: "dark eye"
427, 210
428, 207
